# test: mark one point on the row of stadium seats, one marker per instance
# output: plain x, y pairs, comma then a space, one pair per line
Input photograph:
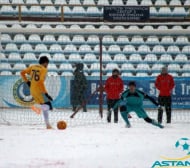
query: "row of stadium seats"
125, 67
86, 11
96, 26
84, 48
127, 74
93, 39
90, 58
100, 2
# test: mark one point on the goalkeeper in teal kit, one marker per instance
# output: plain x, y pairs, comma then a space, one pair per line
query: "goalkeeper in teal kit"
132, 101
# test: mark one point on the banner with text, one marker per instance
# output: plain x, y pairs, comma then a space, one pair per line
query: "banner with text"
126, 13
15, 93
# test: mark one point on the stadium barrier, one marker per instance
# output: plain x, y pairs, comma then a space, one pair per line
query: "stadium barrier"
15, 93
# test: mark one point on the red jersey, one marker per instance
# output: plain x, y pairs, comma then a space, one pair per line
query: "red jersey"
114, 87
165, 84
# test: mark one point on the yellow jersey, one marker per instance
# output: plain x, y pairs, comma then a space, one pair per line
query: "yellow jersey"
37, 75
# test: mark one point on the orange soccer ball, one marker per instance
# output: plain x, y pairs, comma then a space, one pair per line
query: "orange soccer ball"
61, 125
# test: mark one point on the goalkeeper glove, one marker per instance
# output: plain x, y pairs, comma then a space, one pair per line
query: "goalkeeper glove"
48, 96
28, 83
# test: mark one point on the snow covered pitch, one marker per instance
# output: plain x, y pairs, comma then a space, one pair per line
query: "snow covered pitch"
93, 144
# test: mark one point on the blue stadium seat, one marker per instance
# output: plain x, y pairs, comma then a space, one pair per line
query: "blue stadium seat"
93, 39
26, 48
11, 47
52, 74
167, 40
70, 48
95, 67
78, 11
127, 67
157, 67
146, 2
175, 2
158, 49
3, 58
143, 49
59, 58
173, 50
114, 49
142, 74
120, 58
75, 57
143, 67
51, 11
41, 48
14, 57
49, 39
135, 58
85, 48
55, 48
88, 2
150, 58
78, 39
19, 67
30, 57
108, 40
137, 40
174, 67
164, 12
166, 58
179, 12
36, 11
60, 2
126, 74
122, 40
181, 58
74, 2
52, 67
117, 2
186, 50
104, 2
186, 68
152, 40
132, 3
34, 38
181, 40
5, 38
160, 3
5, 67
7, 11
106, 58
64, 39
19, 38
6, 73
187, 2
91, 58
32, 2
129, 49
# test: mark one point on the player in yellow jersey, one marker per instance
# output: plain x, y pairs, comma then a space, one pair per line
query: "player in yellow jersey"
37, 74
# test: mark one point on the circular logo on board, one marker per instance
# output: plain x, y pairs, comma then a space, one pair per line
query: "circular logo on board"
21, 93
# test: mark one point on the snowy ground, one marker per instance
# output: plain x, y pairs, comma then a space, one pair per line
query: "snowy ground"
95, 145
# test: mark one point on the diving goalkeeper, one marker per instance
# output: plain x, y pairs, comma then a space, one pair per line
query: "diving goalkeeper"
132, 101
37, 75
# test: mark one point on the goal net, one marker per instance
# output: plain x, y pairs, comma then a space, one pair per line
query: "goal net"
139, 55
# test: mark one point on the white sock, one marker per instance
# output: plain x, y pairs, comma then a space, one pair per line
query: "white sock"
45, 109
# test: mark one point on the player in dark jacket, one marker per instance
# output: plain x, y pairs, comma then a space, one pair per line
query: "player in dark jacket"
164, 83
113, 88
79, 88
132, 101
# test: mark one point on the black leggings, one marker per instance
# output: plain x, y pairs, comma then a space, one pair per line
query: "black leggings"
148, 120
